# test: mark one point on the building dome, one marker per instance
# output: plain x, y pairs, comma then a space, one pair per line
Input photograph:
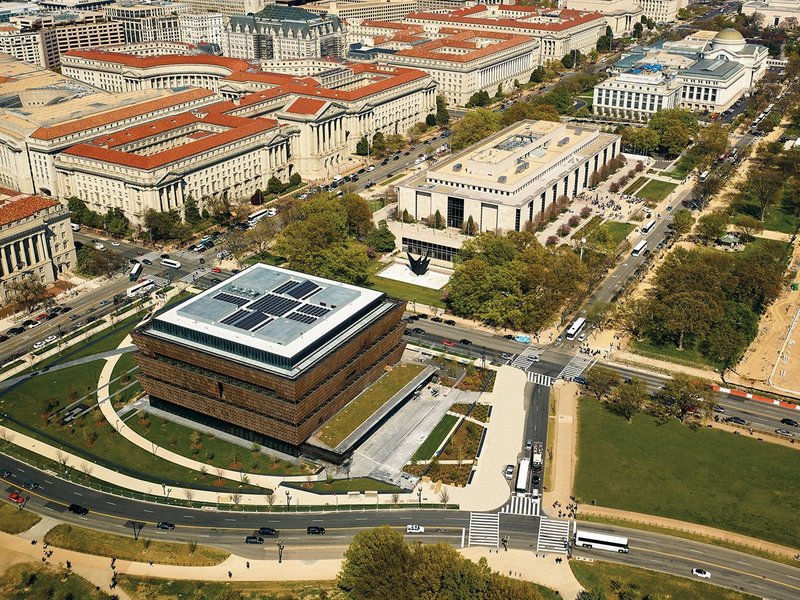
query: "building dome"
729, 35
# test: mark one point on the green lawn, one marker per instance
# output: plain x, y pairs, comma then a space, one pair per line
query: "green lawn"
125, 547
612, 578
704, 476
618, 230
685, 165
407, 291
121, 370
690, 357
637, 183
149, 588
34, 581
212, 450
588, 227
264, 257
775, 219
656, 190
435, 439
14, 520
793, 131
347, 420
357, 484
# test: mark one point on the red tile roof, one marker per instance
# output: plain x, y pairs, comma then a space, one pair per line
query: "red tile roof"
18, 205
437, 49
480, 15
306, 106
143, 62
118, 114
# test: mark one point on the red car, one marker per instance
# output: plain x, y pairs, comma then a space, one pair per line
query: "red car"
16, 497
448, 343
41, 317
216, 270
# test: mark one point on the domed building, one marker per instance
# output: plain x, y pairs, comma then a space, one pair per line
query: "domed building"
729, 44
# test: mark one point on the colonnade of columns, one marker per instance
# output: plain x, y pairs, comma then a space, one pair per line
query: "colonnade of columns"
23, 253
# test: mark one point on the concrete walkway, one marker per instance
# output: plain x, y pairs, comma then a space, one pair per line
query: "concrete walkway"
70, 363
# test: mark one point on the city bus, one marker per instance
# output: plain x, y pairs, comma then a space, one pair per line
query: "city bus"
522, 476
140, 289
173, 264
253, 219
136, 270
600, 541
639, 248
704, 175
575, 328
648, 227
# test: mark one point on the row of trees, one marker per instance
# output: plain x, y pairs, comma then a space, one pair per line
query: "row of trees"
670, 132
708, 301
114, 221
380, 564
683, 397
95, 263
513, 281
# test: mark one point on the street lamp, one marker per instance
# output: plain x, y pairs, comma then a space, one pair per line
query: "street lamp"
280, 551
288, 500
419, 496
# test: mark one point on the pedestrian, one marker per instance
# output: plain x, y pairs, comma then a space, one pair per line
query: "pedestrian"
247, 564
230, 575
69, 565
33, 542
151, 562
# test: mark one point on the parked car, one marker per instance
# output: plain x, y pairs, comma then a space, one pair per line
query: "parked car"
16, 497
147, 261
15, 331
506, 356
465, 342
449, 322
737, 420
5, 474
790, 422
78, 509
423, 316
415, 529
448, 343
437, 319
702, 573
418, 330
165, 526
253, 539
509, 472
785, 432
3, 338
315, 530
267, 531
165, 256
719, 409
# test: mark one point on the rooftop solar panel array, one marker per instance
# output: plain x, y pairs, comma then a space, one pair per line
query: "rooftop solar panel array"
231, 319
317, 311
274, 305
284, 287
251, 320
307, 319
304, 290
230, 298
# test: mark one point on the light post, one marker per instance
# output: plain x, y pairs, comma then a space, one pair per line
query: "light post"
583, 243
280, 551
288, 500
419, 496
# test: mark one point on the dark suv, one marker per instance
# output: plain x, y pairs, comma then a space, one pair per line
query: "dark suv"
78, 509
789, 422
315, 531
253, 539
267, 531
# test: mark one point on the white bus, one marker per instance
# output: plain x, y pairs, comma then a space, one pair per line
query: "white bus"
639, 248
704, 175
173, 264
575, 328
140, 289
648, 227
136, 270
253, 219
522, 476
600, 541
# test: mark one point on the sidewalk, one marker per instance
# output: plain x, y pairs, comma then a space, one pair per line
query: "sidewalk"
565, 401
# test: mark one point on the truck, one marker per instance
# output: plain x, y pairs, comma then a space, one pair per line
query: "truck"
537, 456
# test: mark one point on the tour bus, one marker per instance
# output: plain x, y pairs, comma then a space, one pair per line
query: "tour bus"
136, 270
704, 175
140, 288
575, 328
600, 541
253, 219
639, 248
173, 264
648, 227
522, 476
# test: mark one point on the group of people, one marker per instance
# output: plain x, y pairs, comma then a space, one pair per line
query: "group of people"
570, 511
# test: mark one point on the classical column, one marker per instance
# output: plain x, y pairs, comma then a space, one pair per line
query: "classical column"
4, 261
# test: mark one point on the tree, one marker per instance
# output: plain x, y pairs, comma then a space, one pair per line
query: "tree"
442, 116
748, 226
219, 207
633, 316
438, 220
96, 263
537, 75
684, 395
470, 228
727, 340
637, 30
598, 313
628, 398
475, 126
381, 238
430, 120
191, 213
27, 291
713, 140
568, 60
116, 223
682, 221
359, 216
376, 565
602, 381
362, 146
764, 186
687, 313
160, 224
480, 98
378, 144
712, 226
274, 185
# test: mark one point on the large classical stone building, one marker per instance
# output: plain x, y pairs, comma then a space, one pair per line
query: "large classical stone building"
35, 239
505, 180
621, 15
776, 13
270, 354
153, 21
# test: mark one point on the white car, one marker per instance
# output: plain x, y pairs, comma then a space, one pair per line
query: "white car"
38, 345
337, 178
50, 338
702, 573
370, 168
509, 472
115, 244
415, 529
100, 247
302, 196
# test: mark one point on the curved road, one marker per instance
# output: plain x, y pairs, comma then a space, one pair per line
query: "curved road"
227, 530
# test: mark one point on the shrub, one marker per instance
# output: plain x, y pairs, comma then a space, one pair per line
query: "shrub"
551, 240
574, 221
613, 188
563, 230
585, 212
639, 166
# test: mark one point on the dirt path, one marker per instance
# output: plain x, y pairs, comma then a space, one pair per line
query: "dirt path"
565, 454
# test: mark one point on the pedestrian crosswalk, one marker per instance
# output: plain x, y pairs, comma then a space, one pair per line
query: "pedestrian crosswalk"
526, 358
553, 536
484, 529
522, 505
540, 379
575, 367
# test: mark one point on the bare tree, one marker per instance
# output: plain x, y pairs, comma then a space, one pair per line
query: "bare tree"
26, 291
86, 469
220, 472
444, 496
63, 459
270, 498
6, 435
245, 479
146, 543
395, 498
203, 470
189, 493
237, 498
192, 545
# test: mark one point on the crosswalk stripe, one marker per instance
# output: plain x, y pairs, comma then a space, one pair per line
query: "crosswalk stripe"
484, 529
575, 367
540, 379
521, 505
553, 536
526, 358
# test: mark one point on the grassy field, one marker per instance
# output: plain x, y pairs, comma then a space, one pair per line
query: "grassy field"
407, 291
124, 364
210, 449
612, 578
637, 183
685, 165
364, 406
14, 520
151, 588
618, 230
691, 475
690, 357
357, 484
32, 581
656, 190
435, 439
775, 219
89, 541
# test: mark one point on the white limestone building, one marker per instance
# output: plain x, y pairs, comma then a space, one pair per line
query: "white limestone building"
621, 15
636, 96
153, 21
775, 12
201, 27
